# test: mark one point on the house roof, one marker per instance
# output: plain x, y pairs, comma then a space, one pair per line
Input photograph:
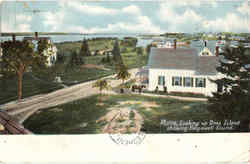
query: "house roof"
183, 59
9, 126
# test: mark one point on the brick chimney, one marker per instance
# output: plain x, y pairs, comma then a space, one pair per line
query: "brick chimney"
13, 37
36, 35
175, 44
205, 42
217, 51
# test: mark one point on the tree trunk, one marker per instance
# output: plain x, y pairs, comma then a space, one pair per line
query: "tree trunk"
122, 90
20, 86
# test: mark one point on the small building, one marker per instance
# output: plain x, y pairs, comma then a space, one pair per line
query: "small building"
183, 70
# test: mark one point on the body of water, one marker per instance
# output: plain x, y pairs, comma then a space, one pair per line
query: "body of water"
72, 38
142, 42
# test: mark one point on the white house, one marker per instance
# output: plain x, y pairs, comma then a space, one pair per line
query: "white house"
183, 70
51, 52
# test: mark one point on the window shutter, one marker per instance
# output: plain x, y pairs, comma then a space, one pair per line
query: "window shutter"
172, 81
159, 78
180, 81
204, 83
163, 80
196, 82
184, 81
192, 82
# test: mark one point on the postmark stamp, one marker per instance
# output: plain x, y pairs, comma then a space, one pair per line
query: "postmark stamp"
129, 139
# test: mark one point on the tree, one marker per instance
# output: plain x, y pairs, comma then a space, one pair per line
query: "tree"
149, 48
116, 53
232, 103
140, 51
107, 57
76, 59
122, 74
102, 85
85, 49
18, 56
97, 52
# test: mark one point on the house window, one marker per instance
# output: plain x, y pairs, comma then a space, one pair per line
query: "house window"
219, 87
200, 82
188, 82
177, 81
205, 53
161, 80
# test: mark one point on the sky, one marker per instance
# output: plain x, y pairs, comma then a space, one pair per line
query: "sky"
120, 16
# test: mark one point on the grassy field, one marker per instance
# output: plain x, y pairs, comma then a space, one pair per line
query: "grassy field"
31, 86
72, 75
101, 44
43, 79
79, 117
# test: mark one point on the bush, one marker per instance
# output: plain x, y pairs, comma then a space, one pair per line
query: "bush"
131, 115
124, 50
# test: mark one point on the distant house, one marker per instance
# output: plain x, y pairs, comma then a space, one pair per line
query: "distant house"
238, 38
51, 52
183, 70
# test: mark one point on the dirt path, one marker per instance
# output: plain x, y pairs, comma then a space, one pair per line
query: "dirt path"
22, 110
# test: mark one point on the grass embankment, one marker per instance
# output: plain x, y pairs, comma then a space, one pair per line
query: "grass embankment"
31, 86
79, 117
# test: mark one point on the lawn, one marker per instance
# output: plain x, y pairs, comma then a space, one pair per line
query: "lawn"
71, 75
80, 117
31, 86
43, 79
98, 44
127, 48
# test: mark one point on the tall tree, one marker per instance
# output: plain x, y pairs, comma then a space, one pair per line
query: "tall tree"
102, 85
75, 59
231, 102
116, 53
148, 49
140, 51
123, 74
85, 49
18, 56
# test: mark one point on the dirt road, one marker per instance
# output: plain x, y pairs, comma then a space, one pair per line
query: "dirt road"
22, 110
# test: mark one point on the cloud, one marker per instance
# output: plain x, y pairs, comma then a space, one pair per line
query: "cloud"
60, 20
23, 18
191, 3
190, 21
244, 8
142, 25
18, 28
132, 9
177, 22
194, 3
54, 20
99, 10
230, 23
22, 24
90, 9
